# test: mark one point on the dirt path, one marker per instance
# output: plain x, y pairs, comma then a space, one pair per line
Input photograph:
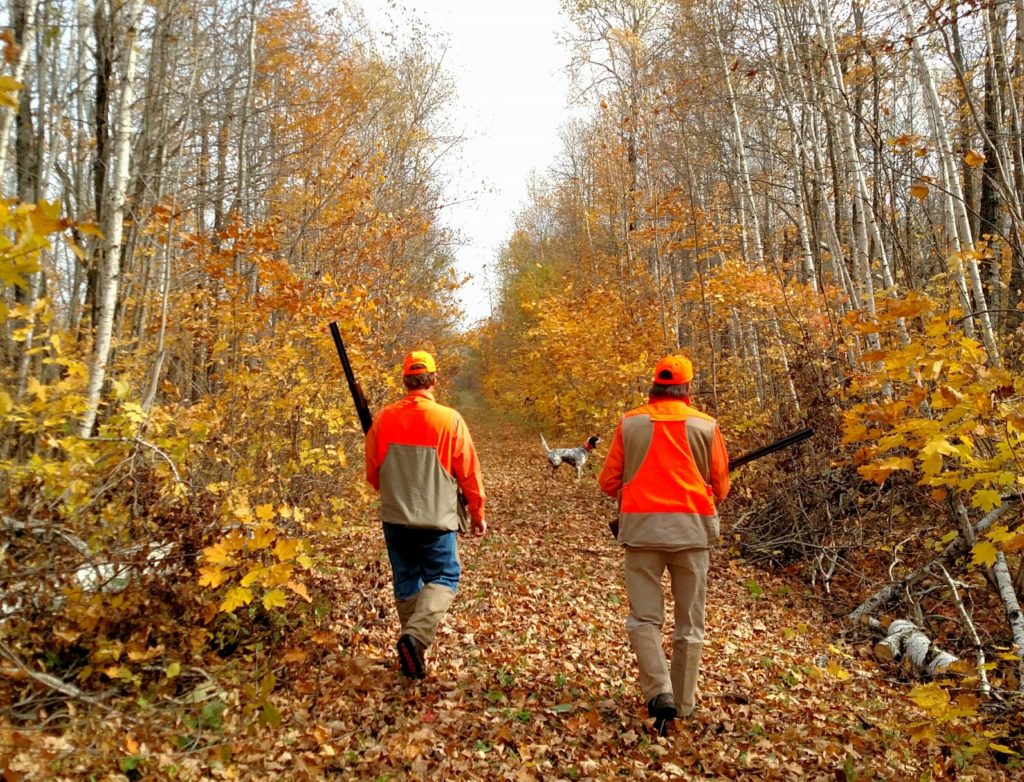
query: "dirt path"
532, 678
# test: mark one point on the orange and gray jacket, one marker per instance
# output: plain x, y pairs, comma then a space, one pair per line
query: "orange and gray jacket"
667, 465
418, 455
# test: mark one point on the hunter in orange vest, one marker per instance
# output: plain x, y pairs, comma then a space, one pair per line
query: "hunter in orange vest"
668, 467
419, 456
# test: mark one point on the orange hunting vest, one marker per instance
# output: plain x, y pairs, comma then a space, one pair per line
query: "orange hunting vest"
418, 454
667, 465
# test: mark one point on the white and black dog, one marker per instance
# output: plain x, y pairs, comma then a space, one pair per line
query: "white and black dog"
576, 457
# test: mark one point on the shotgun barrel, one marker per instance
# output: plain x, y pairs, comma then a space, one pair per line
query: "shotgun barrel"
358, 397
785, 442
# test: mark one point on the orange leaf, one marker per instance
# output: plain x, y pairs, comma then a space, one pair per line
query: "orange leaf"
974, 159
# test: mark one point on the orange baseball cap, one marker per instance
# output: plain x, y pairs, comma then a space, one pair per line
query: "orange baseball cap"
673, 370
418, 362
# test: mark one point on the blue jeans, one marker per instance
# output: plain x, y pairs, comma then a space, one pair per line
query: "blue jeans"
421, 556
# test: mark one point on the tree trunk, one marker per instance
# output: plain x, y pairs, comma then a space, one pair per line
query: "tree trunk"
113, 222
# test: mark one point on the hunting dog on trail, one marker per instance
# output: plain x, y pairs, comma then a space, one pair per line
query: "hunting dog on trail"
576, 457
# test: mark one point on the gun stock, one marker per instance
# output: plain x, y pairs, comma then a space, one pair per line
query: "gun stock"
785, 442
358, 397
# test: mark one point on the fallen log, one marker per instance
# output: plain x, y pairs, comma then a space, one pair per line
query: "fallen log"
907, 641
956, 549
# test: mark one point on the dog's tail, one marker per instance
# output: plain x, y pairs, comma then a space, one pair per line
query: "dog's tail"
544, 443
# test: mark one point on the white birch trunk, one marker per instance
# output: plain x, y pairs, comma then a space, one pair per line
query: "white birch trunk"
7, 113
1011, 604
958, 222
113, 228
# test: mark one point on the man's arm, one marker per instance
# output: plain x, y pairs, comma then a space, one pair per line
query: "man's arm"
372, 461
610, 478
467, 471
719, 467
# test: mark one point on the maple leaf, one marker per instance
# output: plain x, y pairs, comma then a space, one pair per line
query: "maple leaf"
987, 499
219, 553
931, 697
262, 537
211, 576
286, 549
265, 512
236, 598
275, 598
984, 553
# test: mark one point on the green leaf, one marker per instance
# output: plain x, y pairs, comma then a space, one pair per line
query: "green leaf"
270, 715
211, 715
754, 588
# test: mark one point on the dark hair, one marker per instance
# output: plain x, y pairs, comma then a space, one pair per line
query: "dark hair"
424, 380
677, 391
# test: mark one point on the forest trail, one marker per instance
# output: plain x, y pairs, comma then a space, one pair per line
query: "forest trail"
532, 677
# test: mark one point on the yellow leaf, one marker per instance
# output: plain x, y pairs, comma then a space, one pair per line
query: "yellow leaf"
211, 576
931, 697
236, 598
218, 554
974, 159
986, 499
837, 671
919, 191
262, 537
286, 549
253, 574
983, 553
275, 598
6, 404
278, 574
216, 488
265, 512
1002, 748
10, 84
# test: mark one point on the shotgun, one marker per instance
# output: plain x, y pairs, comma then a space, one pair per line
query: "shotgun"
739, 461
366, 417
785, 442
358, 397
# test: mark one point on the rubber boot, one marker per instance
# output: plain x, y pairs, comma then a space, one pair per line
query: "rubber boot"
685, 671
432, 603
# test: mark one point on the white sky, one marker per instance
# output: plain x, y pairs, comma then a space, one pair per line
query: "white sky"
510, 73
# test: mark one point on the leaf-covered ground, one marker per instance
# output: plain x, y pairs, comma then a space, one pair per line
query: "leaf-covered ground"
531, 676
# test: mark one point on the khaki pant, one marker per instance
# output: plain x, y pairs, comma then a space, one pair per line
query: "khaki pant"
422, 613
688, 570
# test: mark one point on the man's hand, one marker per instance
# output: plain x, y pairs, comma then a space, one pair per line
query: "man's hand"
478, 528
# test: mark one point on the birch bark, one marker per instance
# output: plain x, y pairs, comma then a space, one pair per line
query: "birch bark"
113, 221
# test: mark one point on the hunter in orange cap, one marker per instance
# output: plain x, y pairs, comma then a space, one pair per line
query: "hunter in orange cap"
673, 371
420, 458
418, 362
668, 468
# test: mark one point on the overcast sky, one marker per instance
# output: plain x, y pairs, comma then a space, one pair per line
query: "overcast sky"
509, 70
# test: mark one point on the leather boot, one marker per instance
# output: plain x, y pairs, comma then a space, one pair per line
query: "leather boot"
685, 671
432, 603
